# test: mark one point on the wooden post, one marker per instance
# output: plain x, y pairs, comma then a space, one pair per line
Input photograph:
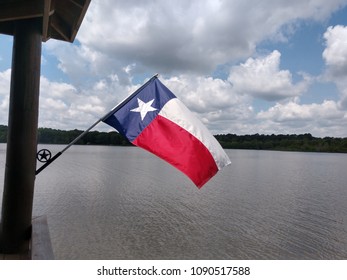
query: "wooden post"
15, 228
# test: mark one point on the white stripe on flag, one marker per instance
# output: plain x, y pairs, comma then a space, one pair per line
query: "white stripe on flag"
175, 111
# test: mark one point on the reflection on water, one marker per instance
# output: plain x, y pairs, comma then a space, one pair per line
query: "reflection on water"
123, 203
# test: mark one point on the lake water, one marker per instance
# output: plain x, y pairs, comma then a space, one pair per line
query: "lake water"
124, 203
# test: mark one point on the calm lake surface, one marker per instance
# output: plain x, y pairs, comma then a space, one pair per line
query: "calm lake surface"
124, 203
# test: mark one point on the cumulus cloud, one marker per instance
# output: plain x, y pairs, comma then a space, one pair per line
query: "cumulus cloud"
335, 53
213, 100
292, 117
5, 78
181, 36
62, 105
335, 56
292, 112
262, 78
120, 43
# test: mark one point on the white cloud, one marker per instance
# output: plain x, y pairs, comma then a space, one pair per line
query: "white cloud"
64, 106
335, 56
181, 36
213, 100
262, 78
121, 42
292, 112
320, 119
335, 53
5, 78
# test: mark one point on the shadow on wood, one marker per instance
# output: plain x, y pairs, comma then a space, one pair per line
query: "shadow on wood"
40, 243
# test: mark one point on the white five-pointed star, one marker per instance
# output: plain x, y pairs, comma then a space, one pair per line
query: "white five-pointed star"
144, 108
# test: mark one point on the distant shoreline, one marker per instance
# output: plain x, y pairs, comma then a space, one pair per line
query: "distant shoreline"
290, 142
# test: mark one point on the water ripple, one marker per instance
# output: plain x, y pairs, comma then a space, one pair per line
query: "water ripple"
123, 203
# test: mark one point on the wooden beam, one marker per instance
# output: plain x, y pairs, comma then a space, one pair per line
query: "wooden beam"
6, 27
21, 10
61, 19
18, 194
80, 19
45, 20
41, 246
78, 3
61, 27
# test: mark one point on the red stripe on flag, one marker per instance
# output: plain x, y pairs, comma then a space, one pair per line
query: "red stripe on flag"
178, 147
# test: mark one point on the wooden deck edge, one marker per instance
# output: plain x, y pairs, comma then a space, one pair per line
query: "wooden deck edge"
41, 246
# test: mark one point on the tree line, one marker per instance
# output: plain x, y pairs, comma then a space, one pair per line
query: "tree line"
57, 136
289, 142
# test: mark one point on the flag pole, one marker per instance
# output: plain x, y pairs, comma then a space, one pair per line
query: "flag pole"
113, 110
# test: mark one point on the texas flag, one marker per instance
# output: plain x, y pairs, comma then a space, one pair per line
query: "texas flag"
155, 120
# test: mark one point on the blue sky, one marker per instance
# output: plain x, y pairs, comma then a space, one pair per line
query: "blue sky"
242, 66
